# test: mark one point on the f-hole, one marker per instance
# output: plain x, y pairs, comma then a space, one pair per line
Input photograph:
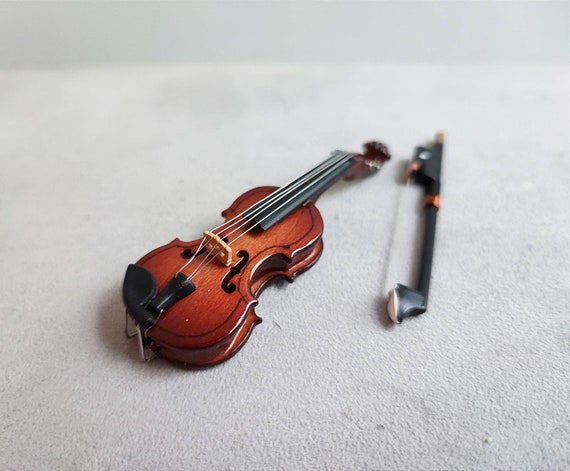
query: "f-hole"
187, 253
227, 286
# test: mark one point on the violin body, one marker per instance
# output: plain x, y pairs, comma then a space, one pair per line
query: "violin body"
193, 302
211, 325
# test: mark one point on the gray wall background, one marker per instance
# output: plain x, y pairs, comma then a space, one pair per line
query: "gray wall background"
123, 32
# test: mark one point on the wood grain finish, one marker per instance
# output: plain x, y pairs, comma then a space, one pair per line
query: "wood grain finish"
213, 322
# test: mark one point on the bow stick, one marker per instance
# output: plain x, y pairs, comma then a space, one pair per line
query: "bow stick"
425, 170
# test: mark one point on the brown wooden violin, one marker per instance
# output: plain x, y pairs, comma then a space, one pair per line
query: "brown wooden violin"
193, 302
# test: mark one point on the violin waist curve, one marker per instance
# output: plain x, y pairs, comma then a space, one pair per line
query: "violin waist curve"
215, 320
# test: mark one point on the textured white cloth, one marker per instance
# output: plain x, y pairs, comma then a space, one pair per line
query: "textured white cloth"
99, 166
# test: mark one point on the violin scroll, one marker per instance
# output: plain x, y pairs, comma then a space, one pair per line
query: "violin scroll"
369, 161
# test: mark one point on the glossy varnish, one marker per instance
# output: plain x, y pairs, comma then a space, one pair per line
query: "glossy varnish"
197, 310
213, 322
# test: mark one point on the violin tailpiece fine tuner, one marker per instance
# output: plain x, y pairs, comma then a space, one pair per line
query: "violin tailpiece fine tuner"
192, 303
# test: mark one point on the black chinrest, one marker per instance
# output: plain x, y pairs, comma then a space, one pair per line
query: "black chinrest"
139, 288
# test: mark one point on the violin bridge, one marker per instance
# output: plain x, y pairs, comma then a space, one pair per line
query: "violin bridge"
216, 246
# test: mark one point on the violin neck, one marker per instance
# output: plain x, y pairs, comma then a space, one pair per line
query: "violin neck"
307, 187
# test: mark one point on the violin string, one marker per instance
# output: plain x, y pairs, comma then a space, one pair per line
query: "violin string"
336, 157
284, 190
192, 257
208, 259
280, 197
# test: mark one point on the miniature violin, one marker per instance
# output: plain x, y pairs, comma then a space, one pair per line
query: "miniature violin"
193, 302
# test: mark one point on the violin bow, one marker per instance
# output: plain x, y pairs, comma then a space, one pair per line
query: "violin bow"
425, 170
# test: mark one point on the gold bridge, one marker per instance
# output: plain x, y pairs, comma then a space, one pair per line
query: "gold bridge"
217, 247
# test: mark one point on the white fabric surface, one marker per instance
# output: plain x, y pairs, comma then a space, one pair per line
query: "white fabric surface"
98, 166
